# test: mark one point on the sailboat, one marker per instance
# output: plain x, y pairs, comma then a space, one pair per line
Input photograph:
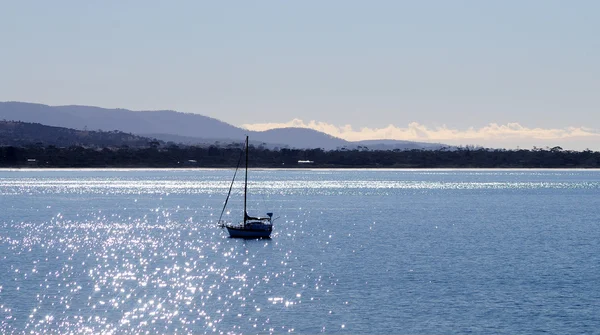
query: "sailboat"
250, 227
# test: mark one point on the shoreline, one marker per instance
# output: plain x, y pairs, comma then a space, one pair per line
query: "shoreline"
125, 169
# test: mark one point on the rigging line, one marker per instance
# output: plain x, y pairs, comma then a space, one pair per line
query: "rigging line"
231, 186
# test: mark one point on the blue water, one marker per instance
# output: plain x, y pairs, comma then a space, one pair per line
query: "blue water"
353, 251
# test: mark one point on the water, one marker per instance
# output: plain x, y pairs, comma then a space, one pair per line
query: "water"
353, 251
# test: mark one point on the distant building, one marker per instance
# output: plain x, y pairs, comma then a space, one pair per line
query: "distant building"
31, 161
305, 162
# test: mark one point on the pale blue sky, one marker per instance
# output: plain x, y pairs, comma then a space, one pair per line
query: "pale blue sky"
364, 63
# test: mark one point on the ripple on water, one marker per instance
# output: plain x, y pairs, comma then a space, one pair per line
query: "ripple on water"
352, 252
107, 273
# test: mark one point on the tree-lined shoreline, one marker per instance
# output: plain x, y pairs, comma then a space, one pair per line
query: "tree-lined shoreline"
175, 156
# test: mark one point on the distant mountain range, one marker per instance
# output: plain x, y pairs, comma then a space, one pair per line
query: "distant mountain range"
185, 128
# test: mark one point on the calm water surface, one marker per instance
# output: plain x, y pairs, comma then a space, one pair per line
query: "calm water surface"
363, 251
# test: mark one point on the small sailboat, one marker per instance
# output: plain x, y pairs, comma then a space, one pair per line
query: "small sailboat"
250, 227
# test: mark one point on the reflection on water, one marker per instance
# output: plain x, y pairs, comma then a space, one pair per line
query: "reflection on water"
353, 252
103, 274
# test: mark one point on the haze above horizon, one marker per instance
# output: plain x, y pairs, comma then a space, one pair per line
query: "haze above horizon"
500, 74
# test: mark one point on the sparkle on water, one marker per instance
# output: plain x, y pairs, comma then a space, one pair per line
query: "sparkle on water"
138, 251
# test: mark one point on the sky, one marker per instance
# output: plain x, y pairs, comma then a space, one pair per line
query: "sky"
493, 73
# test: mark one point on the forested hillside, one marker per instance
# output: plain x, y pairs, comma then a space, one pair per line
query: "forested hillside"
15, 133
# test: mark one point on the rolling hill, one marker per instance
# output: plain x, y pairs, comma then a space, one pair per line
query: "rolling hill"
180, 127
94, 118
18, 133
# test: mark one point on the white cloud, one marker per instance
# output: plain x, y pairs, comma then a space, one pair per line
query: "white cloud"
511, 134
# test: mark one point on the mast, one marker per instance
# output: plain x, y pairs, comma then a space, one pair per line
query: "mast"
230, 187
246, 181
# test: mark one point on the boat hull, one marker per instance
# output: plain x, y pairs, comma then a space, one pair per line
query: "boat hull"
250, 232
